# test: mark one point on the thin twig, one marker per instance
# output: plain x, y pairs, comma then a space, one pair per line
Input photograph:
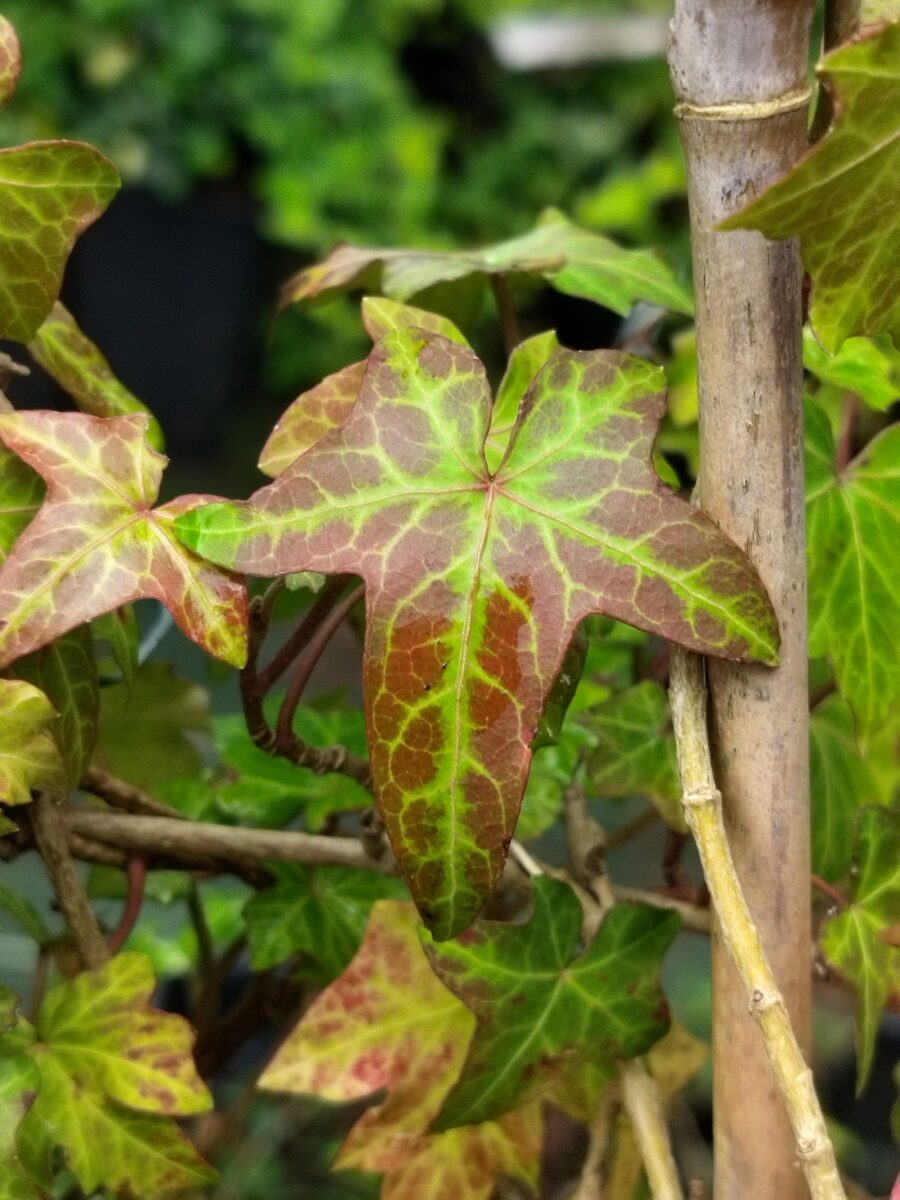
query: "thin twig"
618, 837
829, 890
318, 611
134, 899
590, 1183
190, 840
703, 812
124, 795
50, 836
306, 664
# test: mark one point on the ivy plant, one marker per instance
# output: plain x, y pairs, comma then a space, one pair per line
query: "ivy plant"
510, 559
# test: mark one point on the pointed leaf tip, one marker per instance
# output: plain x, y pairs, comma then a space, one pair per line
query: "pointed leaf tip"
97, 544
10, 60
476, 583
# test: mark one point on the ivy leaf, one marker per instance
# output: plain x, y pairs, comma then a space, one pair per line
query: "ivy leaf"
319, 911
634, 751
25, 914
119, 629
525, 361
271, 791
96, 543
50, 192
28, 755
65, 671
840, 783
854, 940
19, 1080
840, 198
388, 1023
868, 367
145, 730
76, 364
475, 584
21, 493
853, 529
542, 1010
570, 259
10, 60
112, 1070
326, 406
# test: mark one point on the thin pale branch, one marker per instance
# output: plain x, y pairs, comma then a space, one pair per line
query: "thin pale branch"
123, 795
703, 812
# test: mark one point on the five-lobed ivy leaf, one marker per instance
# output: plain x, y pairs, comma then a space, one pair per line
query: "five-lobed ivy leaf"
841, 198
840, 783
476, 583
853, 530
857, 940
320, 912
572, 260
97, 544
29, 757
80, 369
634, 750
389, 1023
110, 1073
66, 672
542, 1008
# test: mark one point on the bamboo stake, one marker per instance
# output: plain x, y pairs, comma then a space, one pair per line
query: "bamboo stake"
703, 812
739, 69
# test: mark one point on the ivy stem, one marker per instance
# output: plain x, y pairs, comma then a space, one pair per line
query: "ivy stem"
509, 326
590, 1184
703, 812
136, 871
640, 1090
319, 610
829, 890
52, 842
307, 660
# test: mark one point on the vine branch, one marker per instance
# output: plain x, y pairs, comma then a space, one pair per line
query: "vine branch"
703, 812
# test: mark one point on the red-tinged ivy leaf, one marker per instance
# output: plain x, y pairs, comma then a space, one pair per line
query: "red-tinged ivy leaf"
77, 365
634, 751
475, 584
542, 1008
50, 192
853, 530
525, 361
10, 60
854, 940
320, 912
389, 1023
569, 258
841, 197
66, 672
101, 1030
97, 544
28, 755
327, 406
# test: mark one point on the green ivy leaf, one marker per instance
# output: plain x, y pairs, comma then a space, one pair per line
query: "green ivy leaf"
145, 730
459, 660
23, 911
50, 192
111, 1071
76, 364
570, 259
853, 530
868, 367
840, 199
66, 672
854, 940
541, 1008
634, 751
319, 911
10, 60
19, 1080
270, 791
840, 783
28, 755
525, 361
21, 493
96, 543
119, 629
381, 316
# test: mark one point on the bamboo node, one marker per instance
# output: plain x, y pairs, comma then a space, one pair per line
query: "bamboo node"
761, 1000
697, 797
744, 110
